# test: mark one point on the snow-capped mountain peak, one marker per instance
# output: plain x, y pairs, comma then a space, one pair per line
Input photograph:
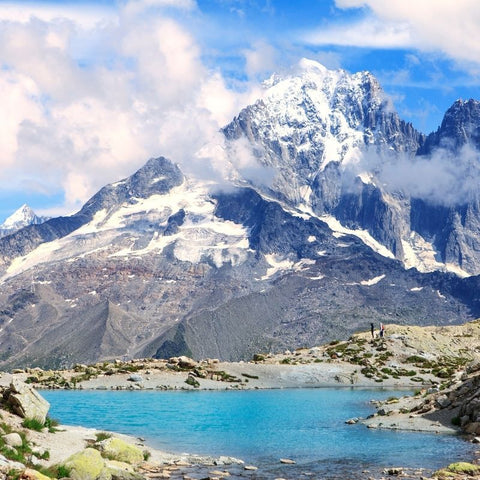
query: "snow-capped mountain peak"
22, 217
316, 117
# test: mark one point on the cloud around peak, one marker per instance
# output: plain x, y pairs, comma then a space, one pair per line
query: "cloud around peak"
88, 103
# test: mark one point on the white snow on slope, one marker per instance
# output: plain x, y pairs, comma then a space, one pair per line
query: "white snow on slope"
372, 281
281, 264
363, 235
420, 254
116, 232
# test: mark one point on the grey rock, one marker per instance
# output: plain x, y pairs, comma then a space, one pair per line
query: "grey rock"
6, 465
443, 401
26, 402
135, 378
13, 439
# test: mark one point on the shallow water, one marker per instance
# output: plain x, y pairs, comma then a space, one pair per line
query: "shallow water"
262, 426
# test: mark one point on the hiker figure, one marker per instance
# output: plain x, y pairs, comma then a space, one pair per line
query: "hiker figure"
382, 330
372, 329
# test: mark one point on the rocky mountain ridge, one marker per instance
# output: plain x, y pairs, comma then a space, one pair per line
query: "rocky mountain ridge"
163, 265
338, 149
176, 269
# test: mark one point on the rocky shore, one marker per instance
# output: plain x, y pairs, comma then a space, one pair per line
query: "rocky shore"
441, 363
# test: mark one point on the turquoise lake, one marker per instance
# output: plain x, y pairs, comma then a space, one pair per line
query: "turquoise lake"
262, 426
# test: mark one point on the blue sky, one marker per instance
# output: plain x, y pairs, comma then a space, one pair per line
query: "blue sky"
93, 89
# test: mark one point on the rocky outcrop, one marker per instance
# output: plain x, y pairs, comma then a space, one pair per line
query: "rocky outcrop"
111, 458
25, 401
460, 126
86, 465
121, 451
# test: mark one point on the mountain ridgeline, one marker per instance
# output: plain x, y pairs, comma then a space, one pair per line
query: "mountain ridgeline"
159, 264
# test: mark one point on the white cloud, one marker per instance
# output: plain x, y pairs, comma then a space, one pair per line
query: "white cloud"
260, 59
134, 7
87, 17
444, 177
447, 26
86, 103
367, 33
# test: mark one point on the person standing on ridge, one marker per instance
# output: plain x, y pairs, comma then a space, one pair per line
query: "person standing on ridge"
372, 329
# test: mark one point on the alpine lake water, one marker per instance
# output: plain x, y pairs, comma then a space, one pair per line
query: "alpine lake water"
263, 426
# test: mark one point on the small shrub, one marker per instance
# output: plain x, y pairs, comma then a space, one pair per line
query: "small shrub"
146, 455
456, 421
44, 456
226, 377
255, 377
286, 361
258, 357
51, 423
33, 424
102, 436
63, 471
192, 382
14, 474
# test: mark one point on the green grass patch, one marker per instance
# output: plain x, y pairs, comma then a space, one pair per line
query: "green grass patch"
33, 424
51, 424
192, 382
55, 471
102, 436
456, 421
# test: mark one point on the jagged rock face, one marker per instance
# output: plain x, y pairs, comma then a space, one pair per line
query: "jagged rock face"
460, 126
305, 122
315, 127
453, 229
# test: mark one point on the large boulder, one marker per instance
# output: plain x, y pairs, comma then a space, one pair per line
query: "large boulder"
25, 401
87, 465
117, 449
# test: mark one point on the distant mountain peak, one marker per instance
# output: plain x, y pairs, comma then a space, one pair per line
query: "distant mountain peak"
22, 217
460, 126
